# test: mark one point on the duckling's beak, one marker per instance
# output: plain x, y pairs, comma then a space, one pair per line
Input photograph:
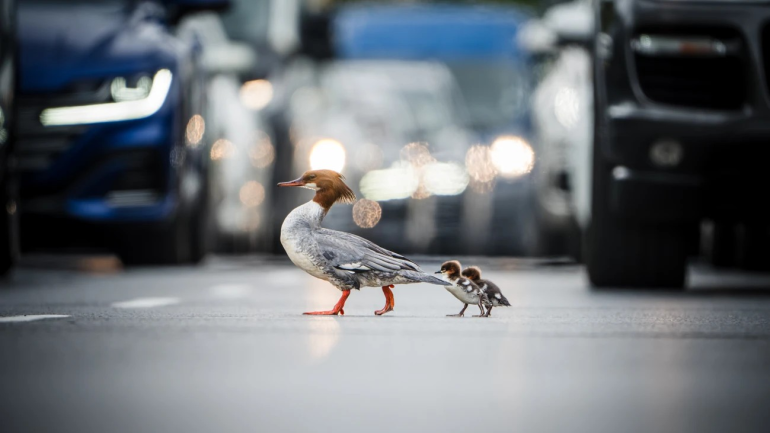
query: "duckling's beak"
439, 272
295, 182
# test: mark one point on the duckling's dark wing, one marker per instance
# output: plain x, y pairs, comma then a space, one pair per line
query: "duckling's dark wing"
471, 286
493, 292
468, 285
351, 253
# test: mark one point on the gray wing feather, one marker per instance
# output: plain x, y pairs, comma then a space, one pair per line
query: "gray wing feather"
346, 249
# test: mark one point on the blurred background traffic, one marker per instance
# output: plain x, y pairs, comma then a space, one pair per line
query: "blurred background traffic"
157, 130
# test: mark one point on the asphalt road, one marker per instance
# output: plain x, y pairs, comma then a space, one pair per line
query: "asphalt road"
224, 348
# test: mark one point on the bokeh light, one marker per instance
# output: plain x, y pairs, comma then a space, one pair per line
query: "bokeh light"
252, 194
482, 187
327, 154
256, 94
512, 156
195, 129
445, 178
366, 213
222, 149
417, 154
397, 182
478, 162
262, 153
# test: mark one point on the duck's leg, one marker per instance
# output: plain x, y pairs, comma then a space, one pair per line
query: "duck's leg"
460, 314
481, 307
390, 301
489, 311
337, 308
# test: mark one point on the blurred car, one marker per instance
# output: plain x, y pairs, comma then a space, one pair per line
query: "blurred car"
681, 115
112, 149
486, 142
242, 152
8, 189
562, 115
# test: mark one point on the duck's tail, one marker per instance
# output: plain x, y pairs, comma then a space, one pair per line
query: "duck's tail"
426, 278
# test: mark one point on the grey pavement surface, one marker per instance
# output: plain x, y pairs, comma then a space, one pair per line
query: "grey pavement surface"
224, 348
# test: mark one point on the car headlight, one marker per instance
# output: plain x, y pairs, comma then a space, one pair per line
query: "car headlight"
120, 91
512, 156
327, 154
131, 103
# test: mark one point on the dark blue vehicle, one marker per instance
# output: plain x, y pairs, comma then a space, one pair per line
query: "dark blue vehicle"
494, 76
111, 147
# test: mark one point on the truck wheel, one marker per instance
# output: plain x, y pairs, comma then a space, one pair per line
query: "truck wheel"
621, 253
198, 223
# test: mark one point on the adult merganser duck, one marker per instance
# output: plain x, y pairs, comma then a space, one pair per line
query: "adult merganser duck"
462, 288
495, 297
345, 260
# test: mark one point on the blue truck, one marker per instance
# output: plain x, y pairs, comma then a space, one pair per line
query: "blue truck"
111, 149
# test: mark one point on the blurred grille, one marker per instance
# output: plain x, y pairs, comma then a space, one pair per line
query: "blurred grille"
697, 82
38, 147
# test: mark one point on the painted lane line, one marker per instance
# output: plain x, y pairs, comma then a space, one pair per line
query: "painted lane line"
31, 317
146, 303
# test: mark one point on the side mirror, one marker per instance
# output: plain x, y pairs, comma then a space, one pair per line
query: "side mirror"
573, 22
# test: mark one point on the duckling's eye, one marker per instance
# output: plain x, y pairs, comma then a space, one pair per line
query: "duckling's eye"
312, 176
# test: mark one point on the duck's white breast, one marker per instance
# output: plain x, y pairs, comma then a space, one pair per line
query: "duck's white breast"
296, 238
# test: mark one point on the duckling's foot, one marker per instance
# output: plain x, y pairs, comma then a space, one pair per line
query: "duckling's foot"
489, 312
460, 314
390, 302
336, 310
482, 312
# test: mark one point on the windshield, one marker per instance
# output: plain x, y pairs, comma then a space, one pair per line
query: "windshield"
495, 93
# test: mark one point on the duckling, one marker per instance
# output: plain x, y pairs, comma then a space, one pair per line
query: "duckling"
495, 297
462, 288
345, 260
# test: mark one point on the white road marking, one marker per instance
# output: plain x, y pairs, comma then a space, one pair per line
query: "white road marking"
146, 303
232, 291
31, 317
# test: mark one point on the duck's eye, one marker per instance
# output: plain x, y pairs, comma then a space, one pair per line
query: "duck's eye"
312, 176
